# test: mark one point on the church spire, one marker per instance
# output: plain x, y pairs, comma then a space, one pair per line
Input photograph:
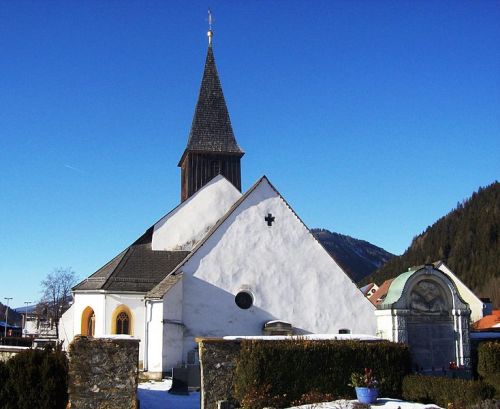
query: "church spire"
212, 148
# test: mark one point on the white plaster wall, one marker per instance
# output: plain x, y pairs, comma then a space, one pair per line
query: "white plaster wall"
173, 327
66, 327
290, 274
135, 302
184, 226
96, 301
384, 324
103, 305
475, 303
155, 336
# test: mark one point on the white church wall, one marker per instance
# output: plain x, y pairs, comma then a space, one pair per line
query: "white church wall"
173, 329
66, 330
103, 305
184, 226
289, 273
135, 303
154, 337
95, 301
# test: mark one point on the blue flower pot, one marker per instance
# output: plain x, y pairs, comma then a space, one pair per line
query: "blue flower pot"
366, 395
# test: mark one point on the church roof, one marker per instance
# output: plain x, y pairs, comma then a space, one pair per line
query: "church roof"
211, 130
136, 269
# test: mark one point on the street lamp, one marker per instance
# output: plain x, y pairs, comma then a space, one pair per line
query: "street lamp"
6, 316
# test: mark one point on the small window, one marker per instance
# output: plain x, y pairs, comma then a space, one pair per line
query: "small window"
344, 331
244, 300
122, 323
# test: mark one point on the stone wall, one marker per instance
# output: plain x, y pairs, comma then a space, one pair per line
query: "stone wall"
103, 373
217, 364
7, 352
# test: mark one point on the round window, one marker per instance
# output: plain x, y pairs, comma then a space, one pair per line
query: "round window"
244, 300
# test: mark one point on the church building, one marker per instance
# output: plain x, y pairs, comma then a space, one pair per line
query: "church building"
221, 263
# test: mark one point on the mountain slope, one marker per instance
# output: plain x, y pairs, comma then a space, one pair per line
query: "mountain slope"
466, 239
14, 317
358, 258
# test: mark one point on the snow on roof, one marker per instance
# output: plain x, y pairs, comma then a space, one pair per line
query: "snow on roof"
186, 225
315, 337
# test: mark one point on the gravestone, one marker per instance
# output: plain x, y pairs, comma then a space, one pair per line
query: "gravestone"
424, 309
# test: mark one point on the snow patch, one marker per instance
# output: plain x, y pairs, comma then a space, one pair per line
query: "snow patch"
154, 395
188, 223
316, 337
382, 403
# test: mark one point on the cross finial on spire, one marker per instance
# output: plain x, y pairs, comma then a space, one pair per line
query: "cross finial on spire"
210, 33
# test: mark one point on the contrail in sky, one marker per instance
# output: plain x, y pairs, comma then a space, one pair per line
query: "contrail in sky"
73, 168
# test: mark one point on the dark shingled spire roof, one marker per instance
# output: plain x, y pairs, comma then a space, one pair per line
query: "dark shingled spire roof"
211, 130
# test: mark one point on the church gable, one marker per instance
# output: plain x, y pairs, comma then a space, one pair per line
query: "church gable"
262, 248
186, 225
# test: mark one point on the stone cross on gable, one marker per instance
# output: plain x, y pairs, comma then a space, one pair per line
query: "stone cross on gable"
269, 219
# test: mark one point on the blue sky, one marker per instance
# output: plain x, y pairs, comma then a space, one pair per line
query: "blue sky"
372, 118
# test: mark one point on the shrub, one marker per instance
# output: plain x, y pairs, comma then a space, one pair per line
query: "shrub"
36, 379
4, 375
442, 391
489, 363
313, 397
17, 341
290, 370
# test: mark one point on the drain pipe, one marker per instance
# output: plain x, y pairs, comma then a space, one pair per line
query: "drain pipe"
146, 338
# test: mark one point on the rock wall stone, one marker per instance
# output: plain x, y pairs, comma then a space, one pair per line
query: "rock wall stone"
217, 364
103, 373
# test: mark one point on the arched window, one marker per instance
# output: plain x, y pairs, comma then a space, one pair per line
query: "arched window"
88, 322
122, 323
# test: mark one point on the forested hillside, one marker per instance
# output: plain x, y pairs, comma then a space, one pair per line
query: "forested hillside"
358, 258
466, 239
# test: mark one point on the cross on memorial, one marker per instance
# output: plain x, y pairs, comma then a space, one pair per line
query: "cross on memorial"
269, 219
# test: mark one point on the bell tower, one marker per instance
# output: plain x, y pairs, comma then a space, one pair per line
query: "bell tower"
212, 148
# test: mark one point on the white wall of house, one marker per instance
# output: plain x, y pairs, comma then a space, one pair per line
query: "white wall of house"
289, 273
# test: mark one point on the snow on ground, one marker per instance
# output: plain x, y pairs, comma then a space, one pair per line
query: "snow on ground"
382, 403
154, 395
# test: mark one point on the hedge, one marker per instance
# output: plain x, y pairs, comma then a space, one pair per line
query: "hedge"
34, 378
279, 373
17, 341
489, 364
442, 390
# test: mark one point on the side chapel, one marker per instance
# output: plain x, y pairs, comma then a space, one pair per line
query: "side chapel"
220, 263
